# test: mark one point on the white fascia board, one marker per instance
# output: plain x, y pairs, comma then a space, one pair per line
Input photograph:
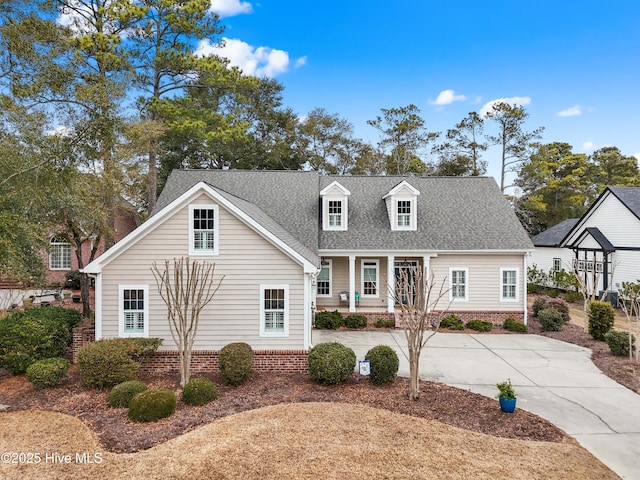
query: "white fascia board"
337, 186
407, 253
402, 185
578, 227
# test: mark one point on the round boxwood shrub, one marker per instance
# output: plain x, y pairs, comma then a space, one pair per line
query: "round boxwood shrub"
152, 404
329, 320
385, 323
572, 297
480, 325
601, 318
384, 364
560, 305
452, 322
331, 363
355, 321
122, 394
513, 325
618, 342
235, 362
540, 303
47, 372
550, 319
199, 391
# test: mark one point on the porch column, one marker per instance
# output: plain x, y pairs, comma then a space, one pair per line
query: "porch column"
391, 276
426, 273
352, 283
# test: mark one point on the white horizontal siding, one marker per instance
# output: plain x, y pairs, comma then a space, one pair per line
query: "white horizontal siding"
245, 259
542, 258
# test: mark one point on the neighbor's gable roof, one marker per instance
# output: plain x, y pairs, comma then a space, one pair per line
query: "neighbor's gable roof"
249, 213
552, 237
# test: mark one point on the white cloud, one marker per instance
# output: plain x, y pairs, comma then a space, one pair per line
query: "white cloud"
588, 146
520, 101
260, 61
574, 111
230, 8
446, 97
637, 155
301, 62
60, 131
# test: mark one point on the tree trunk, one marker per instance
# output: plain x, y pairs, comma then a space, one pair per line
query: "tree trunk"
414, 368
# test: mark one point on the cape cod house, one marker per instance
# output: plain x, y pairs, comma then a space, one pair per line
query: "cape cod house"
291, 242
602, 245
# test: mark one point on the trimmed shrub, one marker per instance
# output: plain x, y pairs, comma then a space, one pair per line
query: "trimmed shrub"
35, 334
540, 303
601, 318
550, 319
331, 363
480, 325
47, 372
618, 342
72, 279
573, 297
152, 404
235, 362
385, 323
384, 364
452, 322
355, 321
122, 394
513, 325
560, 305
199, 391
329, 320
109, 362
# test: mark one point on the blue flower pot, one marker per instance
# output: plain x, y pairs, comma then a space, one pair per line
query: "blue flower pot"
507, 405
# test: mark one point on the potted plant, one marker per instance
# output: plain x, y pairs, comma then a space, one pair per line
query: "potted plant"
507, 396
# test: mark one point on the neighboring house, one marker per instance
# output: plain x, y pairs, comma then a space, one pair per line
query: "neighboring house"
288, 242
548, 256
604, 241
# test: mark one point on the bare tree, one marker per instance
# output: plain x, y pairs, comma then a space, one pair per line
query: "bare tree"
416, 295
588, 274
185, 292
629, 302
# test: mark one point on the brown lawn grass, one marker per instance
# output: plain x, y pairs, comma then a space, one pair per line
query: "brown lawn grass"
300, 440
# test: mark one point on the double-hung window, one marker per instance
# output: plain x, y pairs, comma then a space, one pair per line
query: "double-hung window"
274, 310
203, 229
557, 264
324, 279
59, 254
335, 214
134, 310
458, 284
403, 214
370, 278
509, 284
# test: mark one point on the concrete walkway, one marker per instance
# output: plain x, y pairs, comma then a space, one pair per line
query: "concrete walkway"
553, 379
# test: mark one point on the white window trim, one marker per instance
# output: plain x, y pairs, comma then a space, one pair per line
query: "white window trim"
330, 267
466, 284
263, 332
362, 266
412, 214
58, 244
216, 232
345, 213
502, 284
121, 320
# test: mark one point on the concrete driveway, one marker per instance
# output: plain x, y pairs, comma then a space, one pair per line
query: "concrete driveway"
553, 379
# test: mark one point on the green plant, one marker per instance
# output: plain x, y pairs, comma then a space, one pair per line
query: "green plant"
550, 319
152, 404
561, 306
540, 303
72, 279
331, 363
618, 342
506, 391
34, 334
384, 364
480, 325
199, 391
452, 322
122, 394
513, 325
109, 362
329, 320
47, 372
385, 323
235, 362
601, 318
572, 297
355, 321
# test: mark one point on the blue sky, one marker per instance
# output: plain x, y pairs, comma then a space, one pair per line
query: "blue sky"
574, 65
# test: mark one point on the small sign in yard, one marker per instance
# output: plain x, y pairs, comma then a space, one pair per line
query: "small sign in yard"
364, 366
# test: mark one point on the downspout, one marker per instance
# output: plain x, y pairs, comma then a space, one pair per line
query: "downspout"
525, 316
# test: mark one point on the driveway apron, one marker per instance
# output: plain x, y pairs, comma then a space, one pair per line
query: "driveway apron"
553, 379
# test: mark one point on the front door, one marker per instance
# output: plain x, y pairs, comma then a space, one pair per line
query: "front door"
408, 266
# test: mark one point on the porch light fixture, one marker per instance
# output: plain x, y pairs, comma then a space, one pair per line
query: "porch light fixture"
324, 263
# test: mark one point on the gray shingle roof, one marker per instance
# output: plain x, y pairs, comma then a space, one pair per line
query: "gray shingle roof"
554, 235
454, 213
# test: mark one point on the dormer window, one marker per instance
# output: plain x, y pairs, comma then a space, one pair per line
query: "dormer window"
402, 203
335, 207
